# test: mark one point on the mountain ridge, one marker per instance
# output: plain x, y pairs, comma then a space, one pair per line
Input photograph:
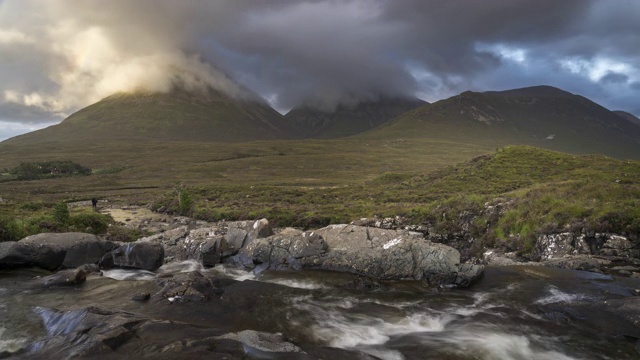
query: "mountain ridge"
541, 116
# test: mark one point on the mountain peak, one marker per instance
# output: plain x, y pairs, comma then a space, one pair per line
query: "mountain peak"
179, 115
540, 91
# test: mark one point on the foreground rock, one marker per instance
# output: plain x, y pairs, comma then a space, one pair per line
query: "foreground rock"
377, 253
138, 255
18, 254
96, 333
80, 248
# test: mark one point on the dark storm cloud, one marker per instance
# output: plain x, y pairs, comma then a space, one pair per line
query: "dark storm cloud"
58, 56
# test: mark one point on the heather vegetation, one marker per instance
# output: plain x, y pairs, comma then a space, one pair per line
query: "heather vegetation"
506, 198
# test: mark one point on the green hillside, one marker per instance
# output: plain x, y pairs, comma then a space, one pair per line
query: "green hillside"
540, 116
174, 116
349, 120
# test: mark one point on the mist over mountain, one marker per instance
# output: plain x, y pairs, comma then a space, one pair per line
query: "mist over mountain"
179, 115
350, 120
59, 56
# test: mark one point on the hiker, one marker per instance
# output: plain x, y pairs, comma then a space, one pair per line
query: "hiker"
94, 202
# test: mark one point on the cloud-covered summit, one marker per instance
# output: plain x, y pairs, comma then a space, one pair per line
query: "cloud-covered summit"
57, 56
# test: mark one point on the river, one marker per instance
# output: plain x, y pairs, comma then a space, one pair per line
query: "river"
512, 313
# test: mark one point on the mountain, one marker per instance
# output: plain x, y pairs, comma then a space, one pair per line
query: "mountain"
179, 115
350, 120
541, 116
630, 117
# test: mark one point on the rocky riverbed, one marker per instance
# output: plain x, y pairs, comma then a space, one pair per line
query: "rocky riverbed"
245, 290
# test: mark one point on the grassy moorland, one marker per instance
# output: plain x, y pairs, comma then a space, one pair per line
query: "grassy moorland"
145, 172
314, 183
537, 191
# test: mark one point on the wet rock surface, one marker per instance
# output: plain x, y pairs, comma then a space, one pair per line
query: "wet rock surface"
190, 286
137, 255
103, 334
68, 277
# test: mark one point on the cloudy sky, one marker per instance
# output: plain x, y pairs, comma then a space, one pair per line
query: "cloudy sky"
59, 56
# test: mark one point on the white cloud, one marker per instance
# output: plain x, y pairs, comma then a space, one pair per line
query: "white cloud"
596, 69
10, 37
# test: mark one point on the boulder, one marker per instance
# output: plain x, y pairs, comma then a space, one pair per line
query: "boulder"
136, 255
81, 248
19, 254
395, 255
205, 245
171, 240
377, 253
242, 233
290, 249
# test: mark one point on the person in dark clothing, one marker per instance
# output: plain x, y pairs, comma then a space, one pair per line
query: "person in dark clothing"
94, 202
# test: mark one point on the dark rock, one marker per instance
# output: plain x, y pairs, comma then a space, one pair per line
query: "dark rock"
468, 274
288, 249
365, 283
80, 248
141, 297
18, 254
68, 277
89, 268
191, 287
137, 255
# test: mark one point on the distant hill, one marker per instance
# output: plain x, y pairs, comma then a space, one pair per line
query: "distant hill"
350, 120
178, 116
632, 118
541, 116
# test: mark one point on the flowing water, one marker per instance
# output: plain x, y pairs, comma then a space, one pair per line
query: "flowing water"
513, 313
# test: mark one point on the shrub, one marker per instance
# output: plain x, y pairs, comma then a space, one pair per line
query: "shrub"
96, 222
10, 230
60, 213
185, 203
